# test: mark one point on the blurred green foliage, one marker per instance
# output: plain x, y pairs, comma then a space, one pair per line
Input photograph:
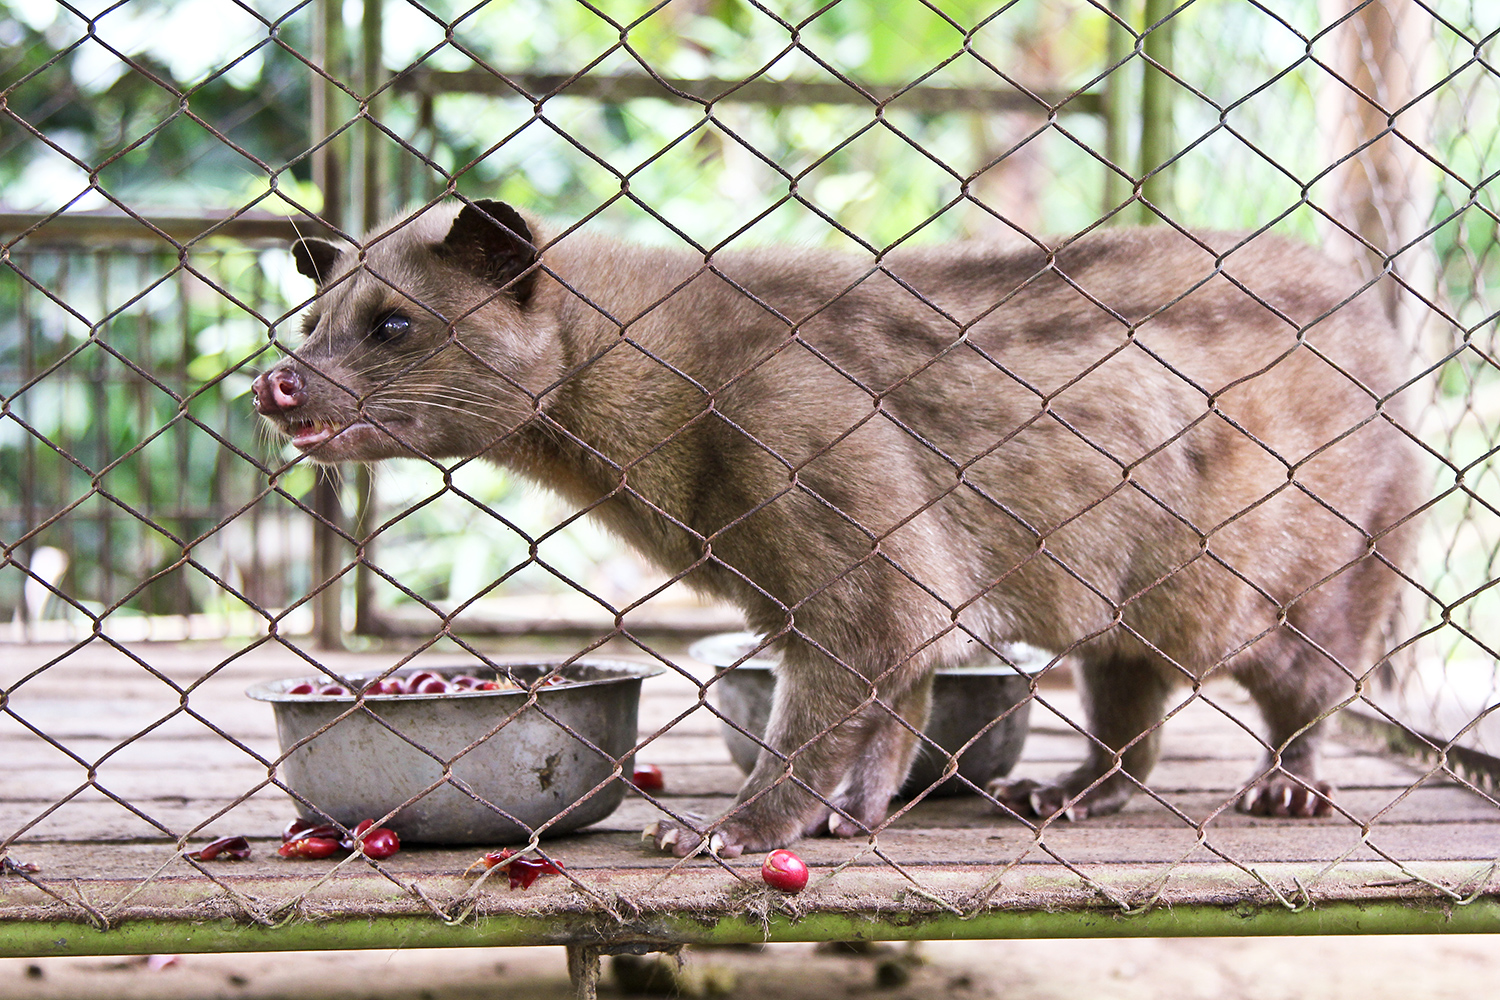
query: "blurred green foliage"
139, 369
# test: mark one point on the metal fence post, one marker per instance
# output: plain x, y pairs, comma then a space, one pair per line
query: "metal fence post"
327, 603
371, 181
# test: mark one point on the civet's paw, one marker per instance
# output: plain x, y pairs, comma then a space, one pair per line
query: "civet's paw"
1283, 795
1033, 799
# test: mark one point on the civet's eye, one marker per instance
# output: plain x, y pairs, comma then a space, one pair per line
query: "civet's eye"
391, 327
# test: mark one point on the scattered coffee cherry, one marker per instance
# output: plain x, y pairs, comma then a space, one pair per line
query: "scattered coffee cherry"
309, 847
376, 842
785, 871
648, 778
9, 867
299, 828
226, 848
380, 843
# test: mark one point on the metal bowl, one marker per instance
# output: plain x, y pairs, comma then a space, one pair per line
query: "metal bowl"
965, 699
514, 766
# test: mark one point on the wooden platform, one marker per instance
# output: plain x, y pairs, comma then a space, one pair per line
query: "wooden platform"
113, 760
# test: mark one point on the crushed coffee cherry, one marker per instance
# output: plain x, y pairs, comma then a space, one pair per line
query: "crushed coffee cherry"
376, 842
522, 871
223, 849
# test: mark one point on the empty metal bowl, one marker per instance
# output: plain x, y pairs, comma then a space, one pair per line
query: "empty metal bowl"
514, 766
965, 699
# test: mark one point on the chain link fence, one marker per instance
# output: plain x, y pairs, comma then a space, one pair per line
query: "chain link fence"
1194, 500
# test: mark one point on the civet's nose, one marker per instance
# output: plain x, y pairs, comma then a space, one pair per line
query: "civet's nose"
278, 390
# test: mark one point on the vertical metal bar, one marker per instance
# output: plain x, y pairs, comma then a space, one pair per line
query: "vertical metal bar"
328, 174
372, 76
1157, 90
216, 504
56, 489
1117, 117
136, 398
139, 392
254, 586
327, 604
26, 322
364, 579
427, 125
186, 527
103, 514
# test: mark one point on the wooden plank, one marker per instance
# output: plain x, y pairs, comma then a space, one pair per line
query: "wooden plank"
906, 842
707, 790
87, 229
1429, 824
619, 87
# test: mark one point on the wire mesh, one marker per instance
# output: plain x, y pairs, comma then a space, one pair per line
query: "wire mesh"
144, 499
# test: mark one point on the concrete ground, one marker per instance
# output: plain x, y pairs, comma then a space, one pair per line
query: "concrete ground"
1184, 969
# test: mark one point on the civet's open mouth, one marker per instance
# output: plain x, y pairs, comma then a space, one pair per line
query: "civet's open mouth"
311, 433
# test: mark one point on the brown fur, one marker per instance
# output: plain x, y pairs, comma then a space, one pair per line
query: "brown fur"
1118, 452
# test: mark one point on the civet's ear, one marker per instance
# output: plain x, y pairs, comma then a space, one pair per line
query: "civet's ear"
490, 240
315, 258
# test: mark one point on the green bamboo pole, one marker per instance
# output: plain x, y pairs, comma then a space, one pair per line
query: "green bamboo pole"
20, 939
1156, 112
